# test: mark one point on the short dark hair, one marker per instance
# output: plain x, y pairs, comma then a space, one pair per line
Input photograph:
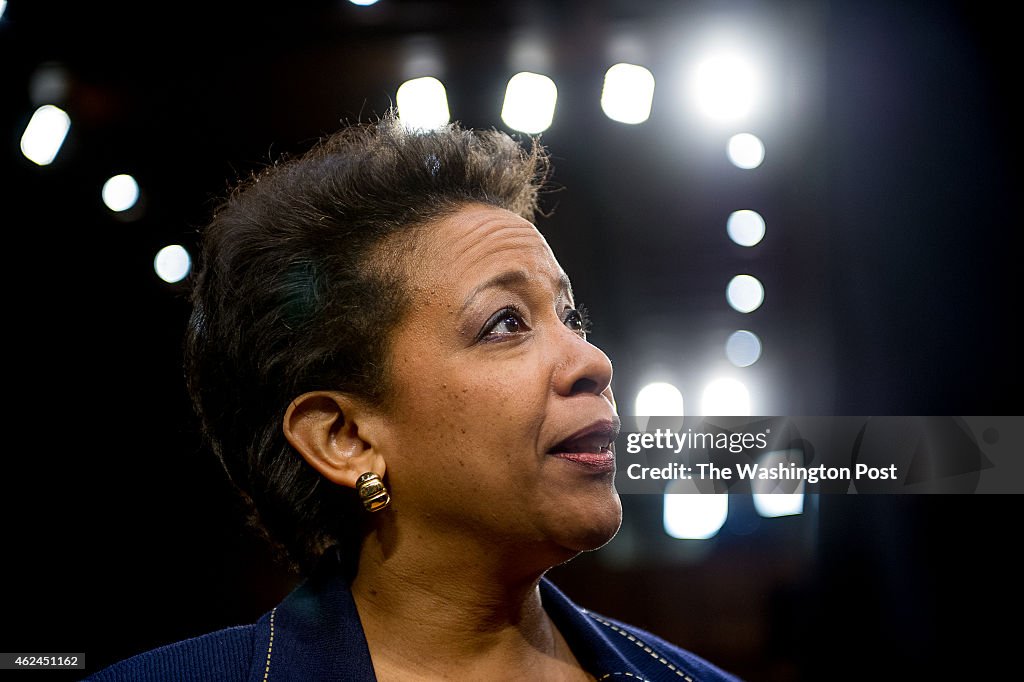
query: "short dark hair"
298, 287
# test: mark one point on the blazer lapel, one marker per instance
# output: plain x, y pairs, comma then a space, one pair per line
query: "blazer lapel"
314, 634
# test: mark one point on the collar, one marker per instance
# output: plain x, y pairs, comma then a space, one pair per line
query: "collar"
316, 634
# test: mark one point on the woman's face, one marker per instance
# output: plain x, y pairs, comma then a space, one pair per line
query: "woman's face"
501, 412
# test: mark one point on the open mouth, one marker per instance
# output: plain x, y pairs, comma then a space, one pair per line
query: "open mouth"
592, 446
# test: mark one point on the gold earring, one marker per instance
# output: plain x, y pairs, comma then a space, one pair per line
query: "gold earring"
372, 492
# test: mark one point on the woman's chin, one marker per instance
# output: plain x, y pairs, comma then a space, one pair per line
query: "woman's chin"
594, 528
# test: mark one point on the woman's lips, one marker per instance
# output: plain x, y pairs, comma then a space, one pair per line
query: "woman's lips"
597, 437
596, 461
592, 446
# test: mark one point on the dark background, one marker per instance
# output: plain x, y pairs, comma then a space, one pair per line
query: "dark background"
890, 190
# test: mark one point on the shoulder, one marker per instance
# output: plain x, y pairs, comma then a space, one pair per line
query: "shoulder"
222, 655
654, 654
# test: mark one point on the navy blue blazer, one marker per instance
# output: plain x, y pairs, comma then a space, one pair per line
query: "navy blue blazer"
315, 634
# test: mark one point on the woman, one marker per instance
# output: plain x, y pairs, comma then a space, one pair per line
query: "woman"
389, 362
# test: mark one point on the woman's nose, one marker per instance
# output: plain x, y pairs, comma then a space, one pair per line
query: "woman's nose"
582, 367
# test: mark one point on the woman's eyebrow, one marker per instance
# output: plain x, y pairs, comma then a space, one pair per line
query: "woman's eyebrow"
511, 279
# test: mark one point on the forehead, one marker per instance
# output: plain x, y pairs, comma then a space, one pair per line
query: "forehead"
478, 241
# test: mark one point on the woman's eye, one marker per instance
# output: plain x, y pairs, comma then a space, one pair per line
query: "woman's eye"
577, 320
504, 323
509, 324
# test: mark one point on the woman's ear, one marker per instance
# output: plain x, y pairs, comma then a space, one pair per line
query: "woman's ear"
324, 427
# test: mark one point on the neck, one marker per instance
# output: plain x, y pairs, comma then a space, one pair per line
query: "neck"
445, 608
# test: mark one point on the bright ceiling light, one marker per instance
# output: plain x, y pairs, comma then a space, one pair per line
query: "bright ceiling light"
172, 263
694, 516
725, 398
743, 348
772, 505
746, 228
529, 102
45, 134
120, 192
726, 86
745, 150
659, 399
744, 293
422, 104
627, 94
767, 501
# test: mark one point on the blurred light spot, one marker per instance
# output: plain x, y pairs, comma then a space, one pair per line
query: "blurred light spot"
3, 6
628, 93
172, 263
530, 50
529, 102
771, 504
726, 87
743, 348
745, 293
745, 150
48, 84
725, 398
659, 400
780, 504
363, 3
696, 516
421, 55
422, 104
120, 192
746, 228
44, 134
